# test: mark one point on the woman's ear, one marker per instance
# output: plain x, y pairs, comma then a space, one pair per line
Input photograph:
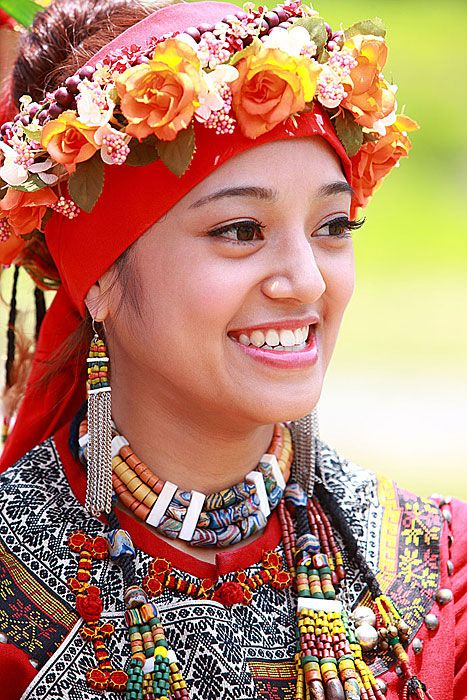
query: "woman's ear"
96, 303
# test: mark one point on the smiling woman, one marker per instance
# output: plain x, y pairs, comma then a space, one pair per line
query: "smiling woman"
189, 178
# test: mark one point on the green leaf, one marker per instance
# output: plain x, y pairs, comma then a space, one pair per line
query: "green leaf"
316, 27
86, 183
375, 27
349, 132
33, 134
32, 184
177, 154
23, 11
142, 153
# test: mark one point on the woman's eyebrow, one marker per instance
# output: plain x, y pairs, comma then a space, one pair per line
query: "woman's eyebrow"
263, 193
333, 188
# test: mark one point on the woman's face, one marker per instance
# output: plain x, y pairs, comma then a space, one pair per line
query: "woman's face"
252, 257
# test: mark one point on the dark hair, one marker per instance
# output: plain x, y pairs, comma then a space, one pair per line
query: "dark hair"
61, 40
66, 34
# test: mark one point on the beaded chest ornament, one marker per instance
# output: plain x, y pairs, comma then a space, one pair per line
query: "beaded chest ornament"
331, 646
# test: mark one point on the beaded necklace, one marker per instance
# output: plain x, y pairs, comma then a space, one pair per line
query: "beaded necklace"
332, 647
219, 519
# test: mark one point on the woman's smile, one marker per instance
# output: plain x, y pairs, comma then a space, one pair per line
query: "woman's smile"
284, 344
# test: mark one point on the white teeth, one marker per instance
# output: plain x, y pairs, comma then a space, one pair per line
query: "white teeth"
299, 336
272, 338
287, 338
257, 338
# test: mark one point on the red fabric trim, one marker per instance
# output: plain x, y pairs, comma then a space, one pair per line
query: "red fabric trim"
16, 673
144, 539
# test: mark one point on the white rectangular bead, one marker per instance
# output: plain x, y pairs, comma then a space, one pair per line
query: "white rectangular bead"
258, 480
276, 470
191, 518
319, 605
162, 503
117, 442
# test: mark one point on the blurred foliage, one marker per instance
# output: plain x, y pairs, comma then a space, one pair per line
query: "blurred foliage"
22, 11
403, 346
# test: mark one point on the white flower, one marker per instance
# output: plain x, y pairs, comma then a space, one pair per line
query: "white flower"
113, 143
41, 168
94, 104
10, 172
329, 89
380, 126
210, 98
292, 41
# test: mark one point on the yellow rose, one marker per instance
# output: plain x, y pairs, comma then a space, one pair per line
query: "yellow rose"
160, 97
68, 140
369, 95
271, 86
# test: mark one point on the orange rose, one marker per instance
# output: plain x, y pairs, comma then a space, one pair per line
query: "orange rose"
376, 158
370, 97
68, 140
25, 210
271, 86
160, 97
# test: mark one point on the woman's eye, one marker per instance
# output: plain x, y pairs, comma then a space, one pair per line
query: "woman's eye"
239, 231
341, 227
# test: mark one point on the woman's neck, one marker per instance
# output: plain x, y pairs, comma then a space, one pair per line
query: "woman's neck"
194, 451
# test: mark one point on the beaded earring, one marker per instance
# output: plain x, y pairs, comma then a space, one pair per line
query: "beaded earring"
99, 477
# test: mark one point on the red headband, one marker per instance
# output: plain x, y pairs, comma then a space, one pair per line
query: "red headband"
133, 199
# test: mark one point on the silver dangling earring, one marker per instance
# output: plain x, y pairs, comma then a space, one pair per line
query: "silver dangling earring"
99, 449
305, 433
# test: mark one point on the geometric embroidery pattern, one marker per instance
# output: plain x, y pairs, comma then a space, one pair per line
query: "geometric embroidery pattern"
237, 653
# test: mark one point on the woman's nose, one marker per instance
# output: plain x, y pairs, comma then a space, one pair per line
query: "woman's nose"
295, 273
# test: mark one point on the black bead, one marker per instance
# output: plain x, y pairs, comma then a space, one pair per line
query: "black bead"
72, 84
282, 14
42, 116
194, 33
63, 97
86, 72
272, 19
205, 27
54, 110
5, 128
33, 109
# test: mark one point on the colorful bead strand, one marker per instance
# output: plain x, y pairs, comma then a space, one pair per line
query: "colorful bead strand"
222, 518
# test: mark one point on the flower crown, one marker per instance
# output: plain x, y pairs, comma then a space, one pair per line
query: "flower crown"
251, 71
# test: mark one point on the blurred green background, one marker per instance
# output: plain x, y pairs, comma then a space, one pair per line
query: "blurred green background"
395, 399
396, 394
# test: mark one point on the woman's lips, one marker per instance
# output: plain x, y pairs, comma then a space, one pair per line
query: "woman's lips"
287, 358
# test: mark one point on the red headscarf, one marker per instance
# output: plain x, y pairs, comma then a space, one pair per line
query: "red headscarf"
133, 199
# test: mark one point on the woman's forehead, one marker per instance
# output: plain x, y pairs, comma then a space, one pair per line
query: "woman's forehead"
270, 168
